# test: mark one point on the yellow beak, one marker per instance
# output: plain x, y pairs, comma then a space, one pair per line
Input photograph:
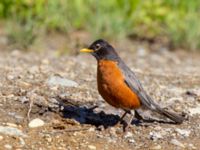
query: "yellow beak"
86, 50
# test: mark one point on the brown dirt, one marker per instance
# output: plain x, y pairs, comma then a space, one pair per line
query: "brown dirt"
171, 78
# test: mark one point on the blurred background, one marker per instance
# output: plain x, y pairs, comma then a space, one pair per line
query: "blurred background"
65, 24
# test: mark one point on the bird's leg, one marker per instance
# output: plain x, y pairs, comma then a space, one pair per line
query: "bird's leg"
122, 117
127, 125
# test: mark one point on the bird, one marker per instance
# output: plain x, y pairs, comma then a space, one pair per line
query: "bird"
119, 86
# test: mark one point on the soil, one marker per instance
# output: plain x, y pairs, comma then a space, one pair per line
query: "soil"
75, 116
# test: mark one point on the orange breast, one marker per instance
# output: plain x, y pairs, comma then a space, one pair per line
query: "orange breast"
112, 87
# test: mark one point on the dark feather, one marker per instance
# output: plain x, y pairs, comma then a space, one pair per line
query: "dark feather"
135, 85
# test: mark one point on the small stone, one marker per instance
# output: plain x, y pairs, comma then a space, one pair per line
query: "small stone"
48, 138
155, 136
45, 61
60, 81
184, 133
91, 129
13, 114
128, 135
24, 85
7, 146
36, 123
10, 77
191, 146
113, 132
1, 138
141, 51
194, 111
100, 136
16, 52
34, 69
22, 142
156, 147
23, 99
177, 143
11, 124
131, 140
92, 147
11, 131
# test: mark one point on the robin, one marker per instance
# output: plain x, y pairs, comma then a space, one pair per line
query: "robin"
119, 86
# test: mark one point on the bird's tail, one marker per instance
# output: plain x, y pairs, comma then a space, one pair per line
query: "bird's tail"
171, 115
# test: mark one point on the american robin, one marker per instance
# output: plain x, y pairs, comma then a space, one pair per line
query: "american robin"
119, 86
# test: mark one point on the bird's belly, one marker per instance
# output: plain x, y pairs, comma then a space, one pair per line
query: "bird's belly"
112, 87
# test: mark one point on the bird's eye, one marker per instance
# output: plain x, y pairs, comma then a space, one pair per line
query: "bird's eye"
98, 46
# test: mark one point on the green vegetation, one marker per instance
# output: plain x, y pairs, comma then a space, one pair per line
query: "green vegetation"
175, 19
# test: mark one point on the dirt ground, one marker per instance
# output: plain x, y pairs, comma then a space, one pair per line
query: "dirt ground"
61, 93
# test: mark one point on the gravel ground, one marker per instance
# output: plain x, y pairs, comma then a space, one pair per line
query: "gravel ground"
50, 102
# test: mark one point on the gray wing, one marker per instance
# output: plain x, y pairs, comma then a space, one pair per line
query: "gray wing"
135, 85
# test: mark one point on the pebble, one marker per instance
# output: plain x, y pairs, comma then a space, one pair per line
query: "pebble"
194, 111
1, 138
155, 136
23, 99
184, 133
7, 146
131, 140
36, 123
22, 142
60, 81
13, 114
92, 147
34, 69
11, 131
177, 143
11, 124
113, 132
128, 135
91, 129
156, 147
191, 146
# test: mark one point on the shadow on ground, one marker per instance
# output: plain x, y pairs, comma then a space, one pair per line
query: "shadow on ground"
86, 114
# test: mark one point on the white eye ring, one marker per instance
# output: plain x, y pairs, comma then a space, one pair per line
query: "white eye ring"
98, 46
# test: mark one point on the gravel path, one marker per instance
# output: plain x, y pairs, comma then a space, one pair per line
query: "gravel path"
48, 102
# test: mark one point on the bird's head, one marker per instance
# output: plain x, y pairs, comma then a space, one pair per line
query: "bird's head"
101, 49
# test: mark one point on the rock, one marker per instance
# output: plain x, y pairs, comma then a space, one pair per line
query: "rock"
128, 135
59, 81
177, 143
36, 123
113, 132
1, 138
91, 129
34, 69
141, 52
131, 140
7, 146
23, 99
155, 136
11, 124
194, 111
184, 133
11, 131
22, 142
156, 147
10, 77
13, 114
92, 147
191, 146
16, 52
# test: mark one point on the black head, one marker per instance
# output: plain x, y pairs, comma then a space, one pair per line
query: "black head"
101, 49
